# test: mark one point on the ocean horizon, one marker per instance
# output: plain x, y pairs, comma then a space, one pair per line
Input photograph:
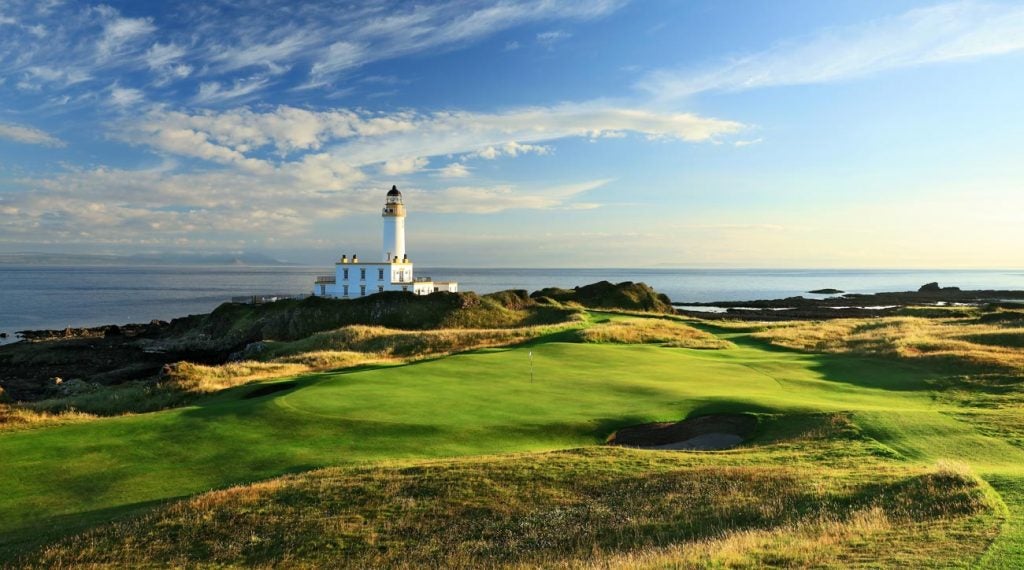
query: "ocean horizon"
48, 297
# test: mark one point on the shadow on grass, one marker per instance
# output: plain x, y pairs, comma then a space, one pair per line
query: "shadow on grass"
16, 547
865, 371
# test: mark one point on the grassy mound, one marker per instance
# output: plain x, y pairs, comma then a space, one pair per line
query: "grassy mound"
605, 295
577, 507
232, 324
651, 331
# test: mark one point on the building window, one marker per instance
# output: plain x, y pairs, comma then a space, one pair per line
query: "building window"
380, 274
323, 290
380, 288
345, 290
344, 273
362, 273
436, 289
362, 290
405, 288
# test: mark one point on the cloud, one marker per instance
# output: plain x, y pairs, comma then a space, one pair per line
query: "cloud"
157, 207
438, 26
511, 46
360, 138
28, 135
511, 148
269, 55
551, 37
229, 46
404, 165
165, 61
941, 33
758, 140
216, 92
492, 199
340, 56
454, 170
118, 32
125, 97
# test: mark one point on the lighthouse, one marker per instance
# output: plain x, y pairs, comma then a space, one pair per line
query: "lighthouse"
353, 278
394, 226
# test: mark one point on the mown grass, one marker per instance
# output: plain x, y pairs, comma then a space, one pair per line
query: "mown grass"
608, 507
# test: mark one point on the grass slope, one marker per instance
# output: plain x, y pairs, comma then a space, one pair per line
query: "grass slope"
62, 479
587, 506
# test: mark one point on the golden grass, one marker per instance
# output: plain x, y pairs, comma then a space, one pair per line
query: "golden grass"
385, 342
632, 510
342, 348
815, 544
964, 340
202, 379
652, 331
14, 417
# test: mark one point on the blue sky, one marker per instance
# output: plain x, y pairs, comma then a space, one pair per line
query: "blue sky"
522, 132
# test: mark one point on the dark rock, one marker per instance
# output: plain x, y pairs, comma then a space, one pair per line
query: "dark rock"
826, 291
930, 288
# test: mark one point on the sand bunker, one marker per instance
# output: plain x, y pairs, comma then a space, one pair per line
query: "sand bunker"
704, 433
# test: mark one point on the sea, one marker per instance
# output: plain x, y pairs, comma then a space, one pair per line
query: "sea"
55, 297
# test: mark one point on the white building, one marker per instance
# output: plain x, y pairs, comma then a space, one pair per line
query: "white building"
353, 278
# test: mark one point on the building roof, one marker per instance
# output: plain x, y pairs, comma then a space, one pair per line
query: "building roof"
394, 191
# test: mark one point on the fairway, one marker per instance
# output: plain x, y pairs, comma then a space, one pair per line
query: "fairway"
483, 402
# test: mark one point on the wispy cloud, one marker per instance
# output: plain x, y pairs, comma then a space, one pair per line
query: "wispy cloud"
125, 96
742, 143
318, 42
118, 32
549, 38
941, 33
361, 138
216, 92
28, 135
454, 170
281, 170
491, 199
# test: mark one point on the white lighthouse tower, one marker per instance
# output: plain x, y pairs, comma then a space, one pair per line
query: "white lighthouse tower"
394, 227
353, 278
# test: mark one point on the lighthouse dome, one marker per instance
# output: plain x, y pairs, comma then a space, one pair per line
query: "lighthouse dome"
394, 191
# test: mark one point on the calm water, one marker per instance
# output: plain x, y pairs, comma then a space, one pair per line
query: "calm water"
34, 297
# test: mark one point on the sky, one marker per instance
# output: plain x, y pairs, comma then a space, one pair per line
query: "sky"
522, 133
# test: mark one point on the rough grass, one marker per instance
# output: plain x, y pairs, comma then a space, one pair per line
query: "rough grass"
967, 341
343, 348
652, 331
14, 417
598, 507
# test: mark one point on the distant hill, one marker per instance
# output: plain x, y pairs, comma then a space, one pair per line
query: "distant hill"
243, 258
